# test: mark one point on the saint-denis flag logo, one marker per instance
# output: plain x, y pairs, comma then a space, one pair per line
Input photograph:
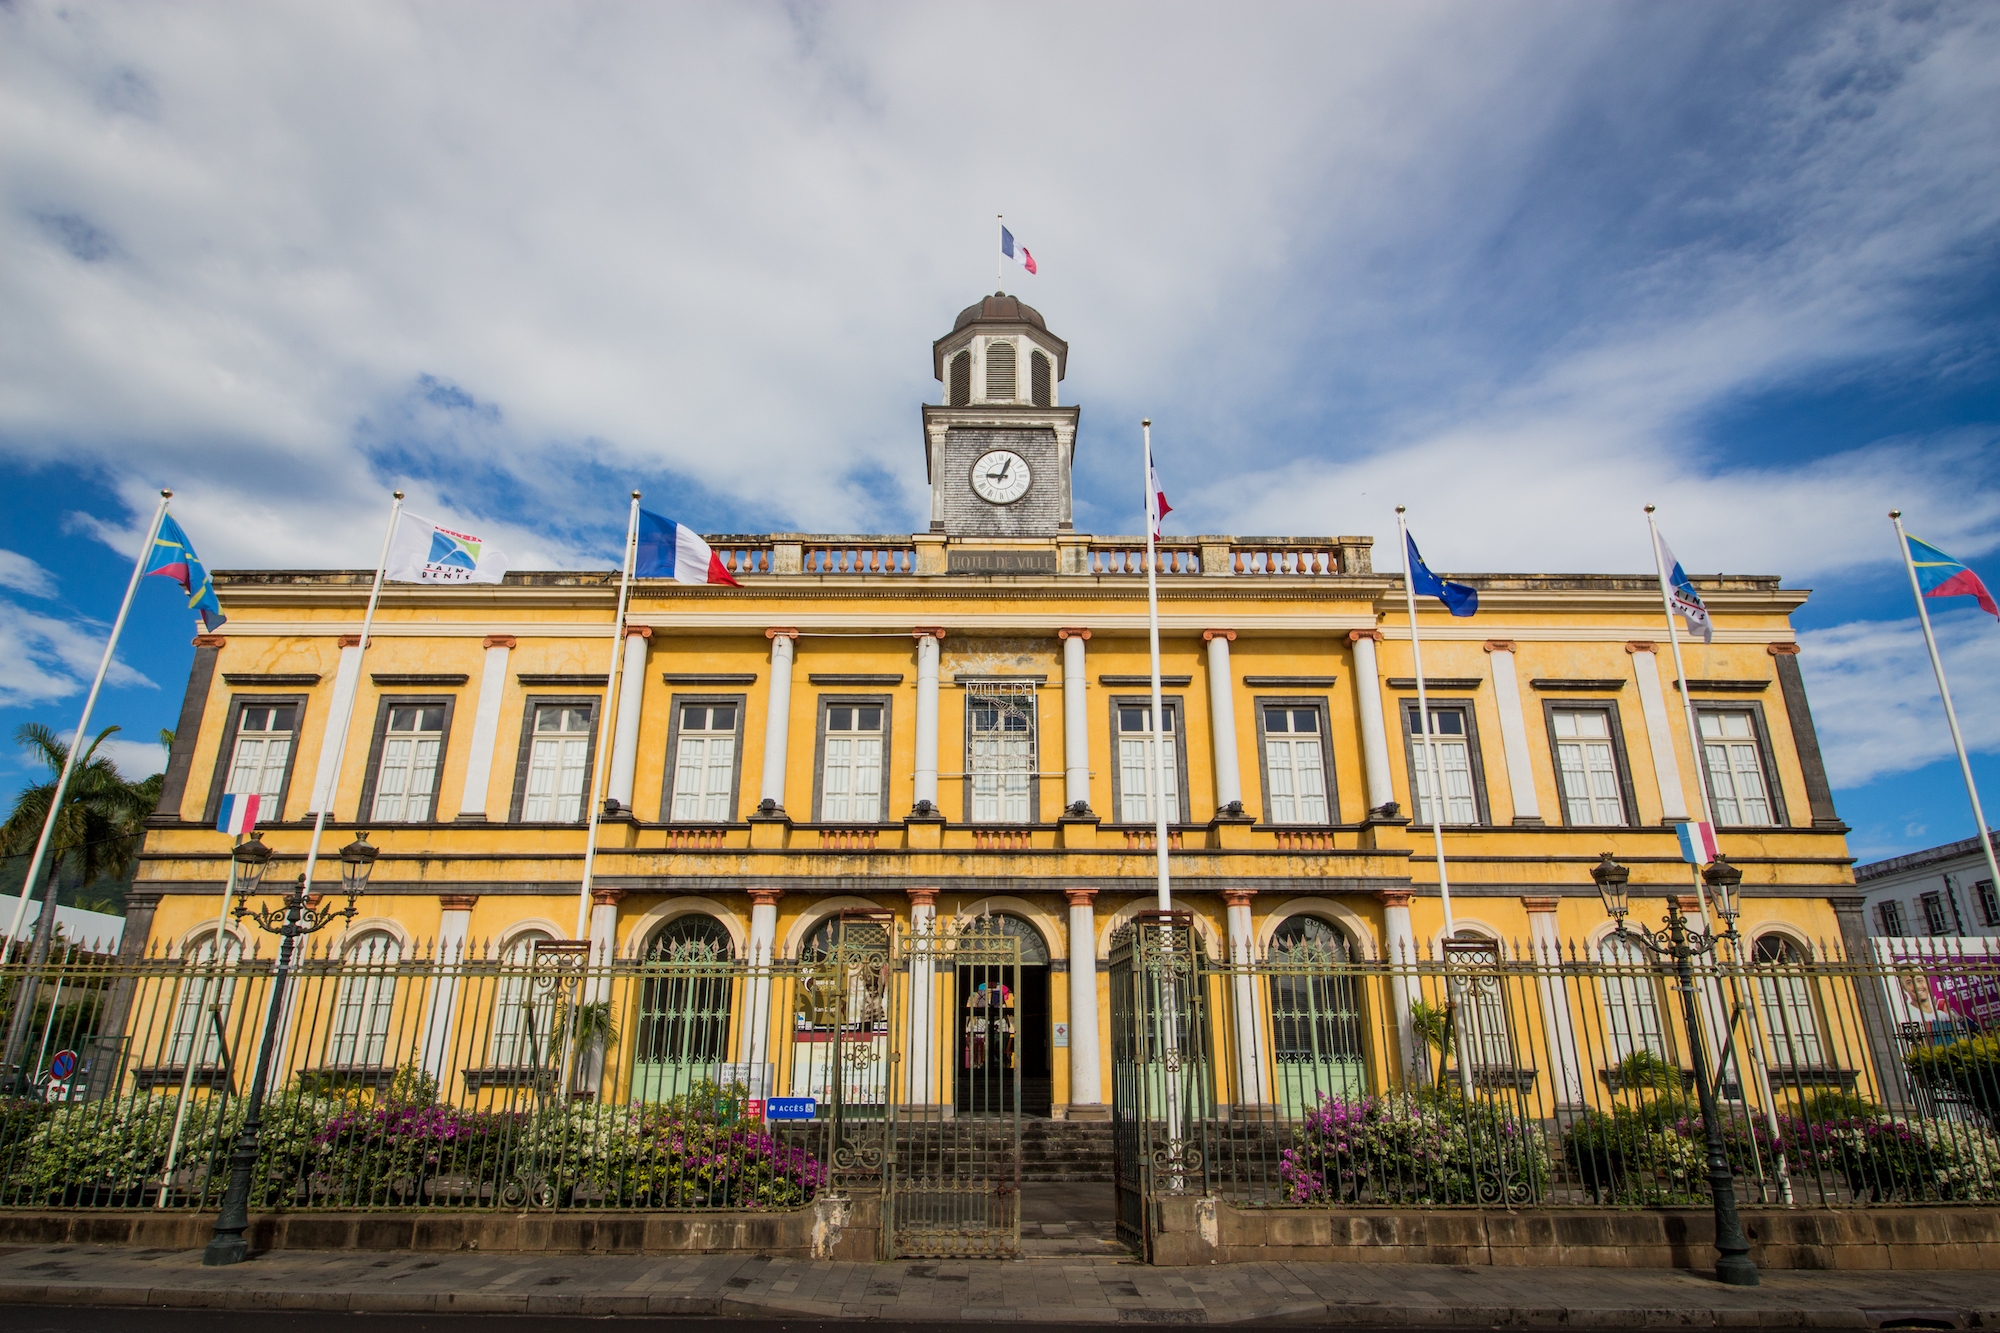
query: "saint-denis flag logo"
428, 552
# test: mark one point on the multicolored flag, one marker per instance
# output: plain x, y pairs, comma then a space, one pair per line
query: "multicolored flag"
1698, 845
670, 550
1157, 506
1685, 600
1015, 251
427, 552
1461, 599
1941, 576
238, 814
173, 555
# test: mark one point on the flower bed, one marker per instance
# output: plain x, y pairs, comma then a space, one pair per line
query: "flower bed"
1424, 1149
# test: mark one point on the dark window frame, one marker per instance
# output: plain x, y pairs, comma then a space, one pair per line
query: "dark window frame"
226, 756
1175, 706
1034, 775
675, 702
1889, 917
1760, 730
1406, 708
365, 813
1937, 921
1626, 791
958, 387
1041, 379
823, 702
1321, 705
595, 703
1989, 903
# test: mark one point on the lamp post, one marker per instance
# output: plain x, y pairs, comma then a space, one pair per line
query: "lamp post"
297, 917
1682, 945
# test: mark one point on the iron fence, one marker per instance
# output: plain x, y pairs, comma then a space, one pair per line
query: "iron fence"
1492, 1076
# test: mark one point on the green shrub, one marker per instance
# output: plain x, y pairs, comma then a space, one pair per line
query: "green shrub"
1968, 1068
1433, 1148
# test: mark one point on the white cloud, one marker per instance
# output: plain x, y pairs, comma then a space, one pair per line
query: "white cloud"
48, 659
136, 759
1874, 697
24, 575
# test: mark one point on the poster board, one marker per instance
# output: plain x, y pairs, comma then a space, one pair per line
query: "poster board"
1941, 986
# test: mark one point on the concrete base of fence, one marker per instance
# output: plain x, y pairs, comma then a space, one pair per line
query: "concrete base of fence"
835, 1227
1206, 1231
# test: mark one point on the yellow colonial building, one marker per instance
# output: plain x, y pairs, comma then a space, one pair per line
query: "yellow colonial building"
954, 724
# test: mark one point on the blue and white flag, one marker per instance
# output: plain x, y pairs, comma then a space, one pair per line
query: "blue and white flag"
1686, 602
670, 550
238, 813
1461, 599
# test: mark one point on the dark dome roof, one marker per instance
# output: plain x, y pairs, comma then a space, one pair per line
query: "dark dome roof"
1000, 307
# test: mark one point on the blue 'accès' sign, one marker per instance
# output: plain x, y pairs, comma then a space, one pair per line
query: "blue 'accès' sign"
789, 1108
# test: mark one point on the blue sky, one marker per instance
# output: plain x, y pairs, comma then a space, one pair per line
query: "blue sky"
1524, 267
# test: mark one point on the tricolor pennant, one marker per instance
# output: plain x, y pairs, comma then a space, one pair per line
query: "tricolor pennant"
1941, 576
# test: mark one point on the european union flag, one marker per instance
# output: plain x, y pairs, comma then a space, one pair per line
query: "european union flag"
1461, 599
173, 555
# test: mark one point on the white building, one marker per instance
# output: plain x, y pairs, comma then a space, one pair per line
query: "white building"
1940, 891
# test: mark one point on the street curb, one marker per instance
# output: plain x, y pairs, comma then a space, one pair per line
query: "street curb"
1323, 1314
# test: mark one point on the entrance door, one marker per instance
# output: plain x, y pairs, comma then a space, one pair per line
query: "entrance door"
1004, 1027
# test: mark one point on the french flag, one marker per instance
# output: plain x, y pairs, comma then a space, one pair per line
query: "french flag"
1016, 252
1698, 846
670, 550
238, 814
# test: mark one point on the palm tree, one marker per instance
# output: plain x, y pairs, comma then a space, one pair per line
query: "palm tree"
96, 833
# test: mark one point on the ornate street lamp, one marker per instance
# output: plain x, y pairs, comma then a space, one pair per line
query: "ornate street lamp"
1682, 945
294, 919
252, 859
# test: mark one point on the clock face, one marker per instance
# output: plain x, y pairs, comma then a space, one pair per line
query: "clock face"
1001, 477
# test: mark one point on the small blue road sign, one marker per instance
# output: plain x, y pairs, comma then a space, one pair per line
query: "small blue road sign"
62, 1066
789, 1108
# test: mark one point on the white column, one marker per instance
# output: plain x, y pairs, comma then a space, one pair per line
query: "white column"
485, 726
1251, 1085
1368, 699
441, 1009
1076, 722
777, 720
1399, 945
597, 983
756, 1028
922, 1088
927, 719
631, 696
1514, 733
1660, 740
1086, 1078
1565, 1064
346, 679
1222, 719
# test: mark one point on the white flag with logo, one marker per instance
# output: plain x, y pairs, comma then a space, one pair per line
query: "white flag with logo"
427, 552
1684, 599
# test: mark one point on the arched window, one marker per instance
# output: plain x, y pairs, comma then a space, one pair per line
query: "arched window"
1784, 992
523, 1021
1034, 949
366, 1001
1482, 1000
684, 1006
1041, 379
1631, 1000
961, 380
1317, 1040
999, 372
194, 1030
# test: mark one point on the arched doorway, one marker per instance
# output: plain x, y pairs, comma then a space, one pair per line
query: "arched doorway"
1004, 1025
1318, 1028
684, 1004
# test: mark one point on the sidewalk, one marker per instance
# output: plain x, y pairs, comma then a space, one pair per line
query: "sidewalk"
1065, 1289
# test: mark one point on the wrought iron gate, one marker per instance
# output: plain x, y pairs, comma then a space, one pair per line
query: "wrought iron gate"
951, 1178
1160, 1087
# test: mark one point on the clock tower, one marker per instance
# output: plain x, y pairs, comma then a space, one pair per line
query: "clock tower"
999, 451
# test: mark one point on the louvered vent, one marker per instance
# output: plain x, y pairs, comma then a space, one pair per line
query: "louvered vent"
961, 379
1038, 378
999, 372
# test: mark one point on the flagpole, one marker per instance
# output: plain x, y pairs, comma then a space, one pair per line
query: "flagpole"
1153, 628
607, 724
1944, 692
338, 737
1424, 720
1687, 707
83, 724
999, 255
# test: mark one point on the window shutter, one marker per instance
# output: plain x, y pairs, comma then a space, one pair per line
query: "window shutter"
961, 379
1000, 372
1039, 379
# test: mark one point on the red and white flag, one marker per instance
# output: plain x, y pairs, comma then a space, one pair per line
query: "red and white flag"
1157, 499
1014, 250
